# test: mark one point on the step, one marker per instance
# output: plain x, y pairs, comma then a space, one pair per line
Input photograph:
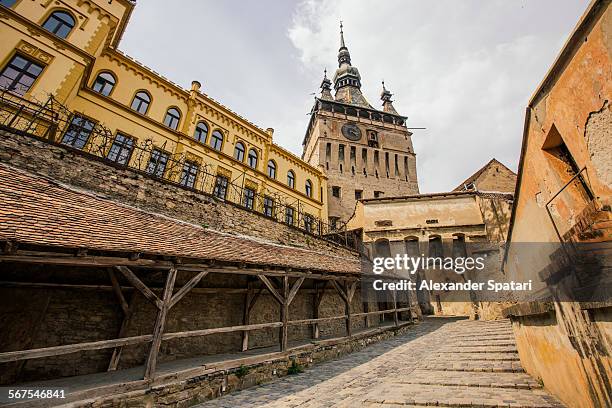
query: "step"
458, 396
484, 343
478, 356
472, 379
497, 366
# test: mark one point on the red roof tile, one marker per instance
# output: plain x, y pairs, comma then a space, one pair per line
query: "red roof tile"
39, 211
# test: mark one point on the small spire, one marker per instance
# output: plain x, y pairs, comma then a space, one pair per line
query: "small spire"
326, 87
385, 96
343, 53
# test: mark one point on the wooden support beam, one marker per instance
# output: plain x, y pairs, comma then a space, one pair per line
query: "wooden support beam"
271, 288
284, 314
160, 324
114, 361
186, 288
118, 293
395, 316
209, 290
340, 290
346, 293
68, 259
294, 290
146, 292
246, 315
319, 292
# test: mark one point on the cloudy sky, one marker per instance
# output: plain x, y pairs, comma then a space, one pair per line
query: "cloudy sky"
464, 70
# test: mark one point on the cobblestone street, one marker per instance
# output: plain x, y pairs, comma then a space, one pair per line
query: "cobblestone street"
444, 362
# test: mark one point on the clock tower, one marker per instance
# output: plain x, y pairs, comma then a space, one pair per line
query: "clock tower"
365, 152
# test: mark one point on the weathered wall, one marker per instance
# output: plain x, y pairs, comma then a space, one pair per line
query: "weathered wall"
569, 348
139, 189
479, 219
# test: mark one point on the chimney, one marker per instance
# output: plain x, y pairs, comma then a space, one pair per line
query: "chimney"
270, 131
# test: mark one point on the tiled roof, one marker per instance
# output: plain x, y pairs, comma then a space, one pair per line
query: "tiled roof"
38, 211
474, 177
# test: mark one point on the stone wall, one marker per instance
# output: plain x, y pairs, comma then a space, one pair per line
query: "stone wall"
129, 186
44, 317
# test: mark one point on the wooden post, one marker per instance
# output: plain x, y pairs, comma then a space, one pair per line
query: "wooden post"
366, 308
114, 361
346, 293
284, 314
246, 314
318, 295
160, 323
395, 317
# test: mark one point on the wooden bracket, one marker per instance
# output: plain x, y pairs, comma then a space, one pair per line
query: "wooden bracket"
138, 284
186, 288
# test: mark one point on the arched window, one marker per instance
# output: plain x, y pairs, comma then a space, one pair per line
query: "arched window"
239, 151
272, 169
201, 132
291, 179
104, 83
59, 23
411, 245
252, 158
308, 188
141, 102
436, 250
173, 116
459, 247
382, 248
216, 140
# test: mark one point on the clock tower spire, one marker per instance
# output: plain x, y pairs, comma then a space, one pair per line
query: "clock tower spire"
365, 152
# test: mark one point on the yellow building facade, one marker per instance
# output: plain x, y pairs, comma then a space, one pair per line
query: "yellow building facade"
69, 49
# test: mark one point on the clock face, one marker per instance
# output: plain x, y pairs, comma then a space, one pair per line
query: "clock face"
351, 132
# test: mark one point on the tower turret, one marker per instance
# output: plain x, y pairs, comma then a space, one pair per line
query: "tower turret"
385, 96
326, 87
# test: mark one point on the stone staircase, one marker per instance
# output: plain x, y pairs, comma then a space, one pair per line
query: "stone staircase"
477, 366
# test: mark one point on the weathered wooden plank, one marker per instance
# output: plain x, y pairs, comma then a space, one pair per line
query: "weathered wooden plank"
284, 315
294, 290
217, 330
71, 348
114, 361
138, 284
160, 323
45, 285
395, 316
186, 288
118, 293
340, 290
246, 315
314, 321
377, 312
271, 288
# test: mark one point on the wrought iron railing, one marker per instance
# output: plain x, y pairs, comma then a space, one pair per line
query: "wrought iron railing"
52, 121
580, 181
